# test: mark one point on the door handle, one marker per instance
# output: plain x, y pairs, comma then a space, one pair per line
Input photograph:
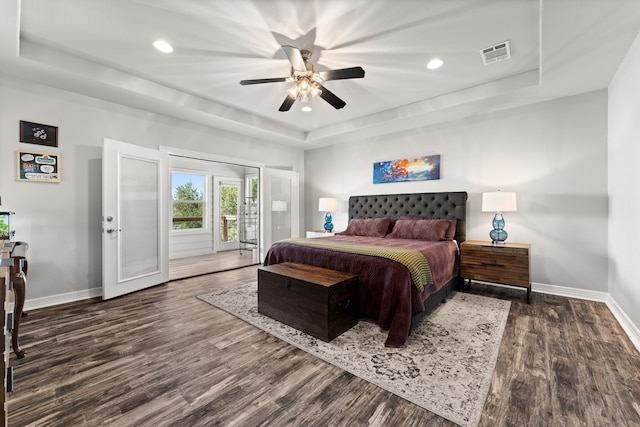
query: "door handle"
111, 230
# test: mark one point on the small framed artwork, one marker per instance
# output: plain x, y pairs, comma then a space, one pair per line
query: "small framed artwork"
37, 167
424, 168
36, 133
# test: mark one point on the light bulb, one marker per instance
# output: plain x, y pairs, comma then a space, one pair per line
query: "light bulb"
435, 63
163, 46
293, 92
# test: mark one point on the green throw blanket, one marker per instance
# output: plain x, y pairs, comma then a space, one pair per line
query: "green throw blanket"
413, 260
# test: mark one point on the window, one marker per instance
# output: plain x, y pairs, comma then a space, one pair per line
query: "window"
188, 201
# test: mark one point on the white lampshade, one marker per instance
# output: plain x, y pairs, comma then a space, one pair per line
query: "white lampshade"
328, 204
279, 206
499, 201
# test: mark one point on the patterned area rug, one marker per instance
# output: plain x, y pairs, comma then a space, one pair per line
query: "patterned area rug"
445, 366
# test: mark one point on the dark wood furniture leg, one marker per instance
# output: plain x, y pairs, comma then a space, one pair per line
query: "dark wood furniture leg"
19, 288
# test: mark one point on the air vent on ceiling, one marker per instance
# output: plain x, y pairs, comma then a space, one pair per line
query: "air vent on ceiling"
495, 53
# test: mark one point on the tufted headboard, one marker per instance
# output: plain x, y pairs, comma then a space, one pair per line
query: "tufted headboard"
426, 205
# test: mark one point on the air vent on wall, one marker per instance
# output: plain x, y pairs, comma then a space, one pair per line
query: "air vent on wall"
495, 53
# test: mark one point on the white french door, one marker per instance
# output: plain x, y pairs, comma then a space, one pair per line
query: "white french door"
135, 218
280, 206
227, 193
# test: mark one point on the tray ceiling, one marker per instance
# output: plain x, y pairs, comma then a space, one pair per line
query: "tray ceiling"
104, 49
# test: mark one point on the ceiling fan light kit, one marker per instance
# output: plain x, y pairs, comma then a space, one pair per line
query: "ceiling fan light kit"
308, 80
304, 89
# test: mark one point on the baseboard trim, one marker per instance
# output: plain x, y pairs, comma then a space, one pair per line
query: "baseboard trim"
632, 331
563, 291
627, 325
35, 303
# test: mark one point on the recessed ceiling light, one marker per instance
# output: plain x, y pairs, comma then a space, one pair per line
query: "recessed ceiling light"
306, 108
435, 63
163, 46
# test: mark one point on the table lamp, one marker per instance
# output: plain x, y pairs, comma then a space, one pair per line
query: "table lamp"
499, 202
328, 205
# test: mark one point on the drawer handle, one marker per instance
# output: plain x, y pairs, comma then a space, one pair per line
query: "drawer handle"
288, 284
491, 264
345, 304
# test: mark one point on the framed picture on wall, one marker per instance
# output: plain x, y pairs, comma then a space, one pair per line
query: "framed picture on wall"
36, 133
37, 167
424, 168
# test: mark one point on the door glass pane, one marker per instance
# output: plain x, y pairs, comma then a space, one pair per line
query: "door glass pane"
228, 212
139, 252
280, 208
252, 188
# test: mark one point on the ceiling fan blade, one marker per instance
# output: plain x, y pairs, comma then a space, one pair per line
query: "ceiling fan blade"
295, 58
331, 98
258, 81
344, 73
288, 102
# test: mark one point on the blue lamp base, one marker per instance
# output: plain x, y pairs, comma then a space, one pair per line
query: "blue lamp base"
498, 234
328, 226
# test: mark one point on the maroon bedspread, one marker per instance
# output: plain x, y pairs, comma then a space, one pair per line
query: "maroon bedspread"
387, 293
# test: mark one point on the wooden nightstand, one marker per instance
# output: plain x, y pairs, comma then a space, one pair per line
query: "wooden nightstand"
318, 233
507, 264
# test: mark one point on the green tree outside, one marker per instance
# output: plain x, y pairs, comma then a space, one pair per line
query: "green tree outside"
254, 190
188, 207
229, 211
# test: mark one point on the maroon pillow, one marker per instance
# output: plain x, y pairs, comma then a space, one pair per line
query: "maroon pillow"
371, 227
451, 231
420, 230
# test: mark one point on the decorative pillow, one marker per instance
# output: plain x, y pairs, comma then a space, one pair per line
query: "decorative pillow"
420, 230
451, 231
371, 227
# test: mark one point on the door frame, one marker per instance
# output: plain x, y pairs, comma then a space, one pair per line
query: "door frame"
198, 155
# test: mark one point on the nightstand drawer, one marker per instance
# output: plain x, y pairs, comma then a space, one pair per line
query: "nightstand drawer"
496, 251
496, 274
497, 259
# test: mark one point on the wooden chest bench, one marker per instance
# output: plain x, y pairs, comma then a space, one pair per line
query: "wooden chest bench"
318, 301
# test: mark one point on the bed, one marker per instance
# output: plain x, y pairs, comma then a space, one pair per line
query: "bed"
393, 292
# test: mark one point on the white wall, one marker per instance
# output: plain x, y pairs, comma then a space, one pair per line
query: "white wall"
624, 191
62, 222
553, 154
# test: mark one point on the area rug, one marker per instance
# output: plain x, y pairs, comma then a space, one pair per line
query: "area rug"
445, 366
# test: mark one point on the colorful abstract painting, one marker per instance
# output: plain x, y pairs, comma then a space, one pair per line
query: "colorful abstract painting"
403, 170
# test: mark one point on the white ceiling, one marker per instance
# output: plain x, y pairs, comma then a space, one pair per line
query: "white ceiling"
102, 48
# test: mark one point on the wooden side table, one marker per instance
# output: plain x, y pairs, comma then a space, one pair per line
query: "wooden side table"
6, 314
506, 264
318, 233
17, 254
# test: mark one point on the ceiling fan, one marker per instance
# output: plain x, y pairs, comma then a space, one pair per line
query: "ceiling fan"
308, 80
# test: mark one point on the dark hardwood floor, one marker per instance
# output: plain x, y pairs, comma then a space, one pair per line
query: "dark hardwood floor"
181, 268
161, 357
